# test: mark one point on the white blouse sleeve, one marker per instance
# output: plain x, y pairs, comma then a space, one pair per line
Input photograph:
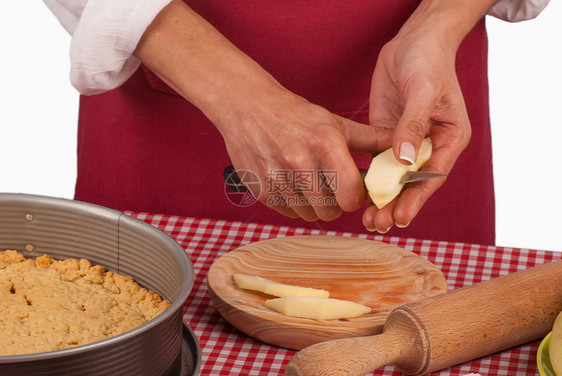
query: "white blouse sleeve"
517, 10
104, 35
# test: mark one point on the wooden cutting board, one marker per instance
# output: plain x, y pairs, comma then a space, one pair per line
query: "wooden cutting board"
371, 273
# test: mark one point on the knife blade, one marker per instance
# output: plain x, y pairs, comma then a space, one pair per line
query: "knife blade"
413, 176
409, 176
234, 184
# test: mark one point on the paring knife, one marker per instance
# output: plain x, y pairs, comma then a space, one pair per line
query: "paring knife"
409, 176
234, 184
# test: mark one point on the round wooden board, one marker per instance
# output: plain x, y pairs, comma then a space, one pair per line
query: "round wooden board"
372, 273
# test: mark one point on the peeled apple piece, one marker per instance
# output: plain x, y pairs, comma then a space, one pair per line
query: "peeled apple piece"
555, 347
250, 282
384, 174
314, 307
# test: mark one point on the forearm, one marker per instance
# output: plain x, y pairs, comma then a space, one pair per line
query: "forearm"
197, 61
451, 19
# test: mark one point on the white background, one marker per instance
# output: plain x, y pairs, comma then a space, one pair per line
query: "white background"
38, 116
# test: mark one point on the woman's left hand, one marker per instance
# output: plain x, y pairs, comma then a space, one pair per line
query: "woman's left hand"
415, 91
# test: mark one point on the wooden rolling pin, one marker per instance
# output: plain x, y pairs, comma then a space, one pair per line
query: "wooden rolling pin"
447, 329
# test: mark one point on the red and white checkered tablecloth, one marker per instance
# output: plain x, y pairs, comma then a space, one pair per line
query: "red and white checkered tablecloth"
226, 351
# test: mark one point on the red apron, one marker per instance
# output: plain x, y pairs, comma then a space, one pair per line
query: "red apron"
141, 147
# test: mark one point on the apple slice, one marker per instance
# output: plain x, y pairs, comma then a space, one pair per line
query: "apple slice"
314, 307
250, 282
384, 174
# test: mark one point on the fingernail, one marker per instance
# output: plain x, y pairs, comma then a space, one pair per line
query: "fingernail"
371, 229
385, 231
402, 226
407, 152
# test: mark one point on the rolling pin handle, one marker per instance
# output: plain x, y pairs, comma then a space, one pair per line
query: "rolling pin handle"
349, 356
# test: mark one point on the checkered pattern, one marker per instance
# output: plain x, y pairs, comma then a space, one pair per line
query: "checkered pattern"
226, 351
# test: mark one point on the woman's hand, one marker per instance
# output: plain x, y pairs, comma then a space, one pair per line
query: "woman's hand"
299, 152
415, 91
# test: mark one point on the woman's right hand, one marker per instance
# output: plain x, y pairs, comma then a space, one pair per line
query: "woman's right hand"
301, 154
268, 130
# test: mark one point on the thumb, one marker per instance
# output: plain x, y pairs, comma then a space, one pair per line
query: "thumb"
413, 125
363, 138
